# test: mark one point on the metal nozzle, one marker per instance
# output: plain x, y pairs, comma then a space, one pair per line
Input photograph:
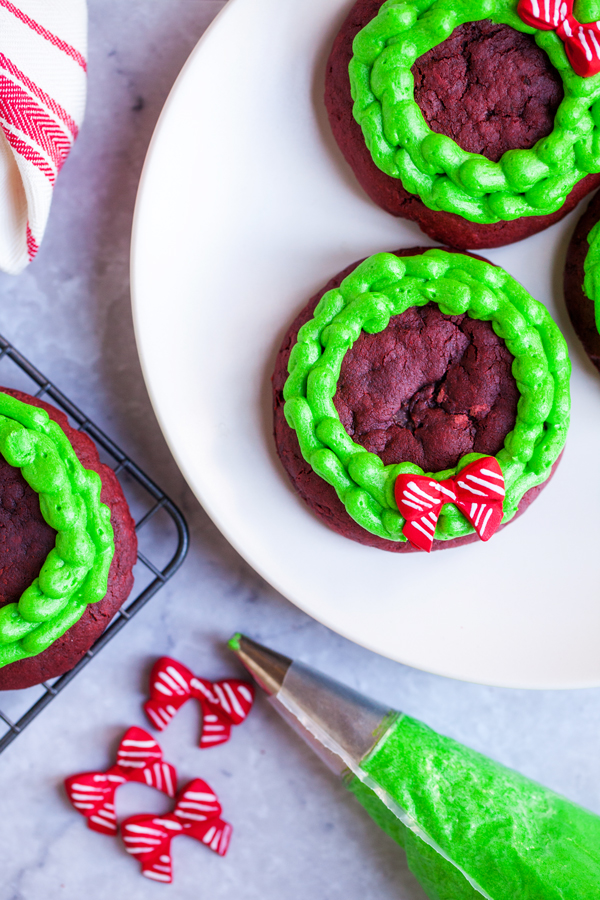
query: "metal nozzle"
340, 724
267, 667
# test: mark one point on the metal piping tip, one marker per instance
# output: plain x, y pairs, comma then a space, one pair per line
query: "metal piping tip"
267, 667
339, 724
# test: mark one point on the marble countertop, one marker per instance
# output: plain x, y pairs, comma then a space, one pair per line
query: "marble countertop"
297, 833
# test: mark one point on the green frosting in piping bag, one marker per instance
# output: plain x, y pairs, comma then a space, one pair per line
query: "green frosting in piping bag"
472, 828
523, 182
383, 286
591, 267
75, 572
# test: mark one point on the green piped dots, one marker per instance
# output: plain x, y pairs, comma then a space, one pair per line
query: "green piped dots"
384, 286
447, 178
75, 572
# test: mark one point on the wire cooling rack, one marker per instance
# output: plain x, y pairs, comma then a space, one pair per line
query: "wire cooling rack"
151, 509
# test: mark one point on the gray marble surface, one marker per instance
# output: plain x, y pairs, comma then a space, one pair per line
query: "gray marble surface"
297, 833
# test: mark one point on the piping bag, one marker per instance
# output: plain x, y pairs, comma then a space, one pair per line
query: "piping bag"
470, 827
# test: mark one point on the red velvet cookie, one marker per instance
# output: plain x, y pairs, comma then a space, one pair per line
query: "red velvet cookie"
428, 389
488, 87
580, 306
26, 539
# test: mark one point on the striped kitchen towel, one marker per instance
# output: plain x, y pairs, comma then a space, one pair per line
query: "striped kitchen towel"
43, 46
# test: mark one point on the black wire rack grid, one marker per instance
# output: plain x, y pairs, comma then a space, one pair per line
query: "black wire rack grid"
149, 498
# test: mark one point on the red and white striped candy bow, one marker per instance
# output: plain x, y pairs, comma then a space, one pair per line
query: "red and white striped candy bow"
224, 703
582, 41
43, 48
196, 814
139, 758
477, 490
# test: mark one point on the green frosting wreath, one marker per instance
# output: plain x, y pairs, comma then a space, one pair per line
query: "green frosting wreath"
384, 286
591, 268
75, 571
524, 182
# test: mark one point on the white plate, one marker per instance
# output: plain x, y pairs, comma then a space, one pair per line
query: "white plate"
245, 209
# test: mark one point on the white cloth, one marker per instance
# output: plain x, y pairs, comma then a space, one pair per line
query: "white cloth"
43, 47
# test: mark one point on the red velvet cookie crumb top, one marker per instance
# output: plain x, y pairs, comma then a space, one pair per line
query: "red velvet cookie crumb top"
428, 389
488, 87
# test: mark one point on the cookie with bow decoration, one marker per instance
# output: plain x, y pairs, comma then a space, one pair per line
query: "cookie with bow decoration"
139, 759
477, 490
197, 814
224, 703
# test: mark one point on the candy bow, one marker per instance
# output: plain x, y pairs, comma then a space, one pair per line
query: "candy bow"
196, 814
477, 490
224, 703
139, 758
582, 41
